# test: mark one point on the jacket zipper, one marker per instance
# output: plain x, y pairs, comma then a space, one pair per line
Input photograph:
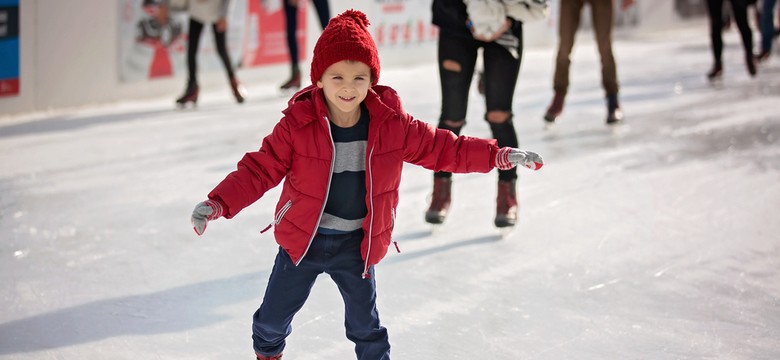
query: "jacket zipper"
366, 275
392, 227
278, 217
282, 212
327, 192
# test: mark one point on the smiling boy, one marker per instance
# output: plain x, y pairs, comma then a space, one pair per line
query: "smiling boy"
340, 148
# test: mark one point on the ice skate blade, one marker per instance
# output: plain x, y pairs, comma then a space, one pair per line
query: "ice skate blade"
506, 232
618, 128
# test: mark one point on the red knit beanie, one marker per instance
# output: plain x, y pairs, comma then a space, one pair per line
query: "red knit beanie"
345, 38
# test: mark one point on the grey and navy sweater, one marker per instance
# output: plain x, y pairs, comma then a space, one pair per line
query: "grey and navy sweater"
345, 208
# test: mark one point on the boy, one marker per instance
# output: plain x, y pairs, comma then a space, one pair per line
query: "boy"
340, 148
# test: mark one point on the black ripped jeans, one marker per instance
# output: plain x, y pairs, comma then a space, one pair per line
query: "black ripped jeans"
500, 78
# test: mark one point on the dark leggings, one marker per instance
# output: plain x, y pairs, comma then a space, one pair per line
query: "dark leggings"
196, 27
500, 78
291, 20
739, 8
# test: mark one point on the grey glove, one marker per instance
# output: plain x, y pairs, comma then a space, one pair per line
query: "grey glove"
205, 211
507, 158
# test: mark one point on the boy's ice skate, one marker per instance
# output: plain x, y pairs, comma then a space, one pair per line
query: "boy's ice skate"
269, 357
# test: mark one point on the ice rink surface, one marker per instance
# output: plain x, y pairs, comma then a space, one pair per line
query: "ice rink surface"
660, 240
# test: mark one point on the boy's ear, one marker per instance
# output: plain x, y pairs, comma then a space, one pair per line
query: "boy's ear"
319, 84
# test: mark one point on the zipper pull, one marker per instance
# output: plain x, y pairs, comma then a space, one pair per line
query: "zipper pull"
266, 228
396, 246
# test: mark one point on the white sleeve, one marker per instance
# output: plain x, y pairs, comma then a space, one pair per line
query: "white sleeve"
486, 16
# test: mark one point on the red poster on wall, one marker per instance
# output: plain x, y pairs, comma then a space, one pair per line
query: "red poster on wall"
403, 23
266, 39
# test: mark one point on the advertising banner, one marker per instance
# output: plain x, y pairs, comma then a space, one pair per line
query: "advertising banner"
9, 48
402, 23
150, 48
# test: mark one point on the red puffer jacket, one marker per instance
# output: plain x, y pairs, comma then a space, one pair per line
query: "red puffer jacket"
300, 150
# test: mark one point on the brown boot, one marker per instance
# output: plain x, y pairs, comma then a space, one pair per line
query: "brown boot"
506, 204
269, 357
555, 109
440, 200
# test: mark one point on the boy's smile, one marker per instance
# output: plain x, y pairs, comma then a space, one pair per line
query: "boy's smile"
345, 85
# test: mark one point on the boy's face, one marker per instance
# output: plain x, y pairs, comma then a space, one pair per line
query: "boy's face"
345, 85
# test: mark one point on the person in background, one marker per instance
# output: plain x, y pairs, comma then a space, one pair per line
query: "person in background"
768, 31
568, 22
715, 13
291, 23
202, 12
464, 28
340, 149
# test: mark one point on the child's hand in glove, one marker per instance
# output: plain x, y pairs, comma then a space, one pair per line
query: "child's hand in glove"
205, 211
507, 158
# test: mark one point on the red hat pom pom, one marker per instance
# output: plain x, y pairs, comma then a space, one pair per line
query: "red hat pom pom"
359, 17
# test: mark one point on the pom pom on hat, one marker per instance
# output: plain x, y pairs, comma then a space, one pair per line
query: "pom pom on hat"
345, 38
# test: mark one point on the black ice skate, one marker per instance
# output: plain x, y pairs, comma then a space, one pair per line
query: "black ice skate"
554, 110
294, 83
238, 90
716, 73
614, 114
190, 96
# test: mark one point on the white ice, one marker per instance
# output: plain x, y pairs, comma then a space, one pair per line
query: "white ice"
658, 241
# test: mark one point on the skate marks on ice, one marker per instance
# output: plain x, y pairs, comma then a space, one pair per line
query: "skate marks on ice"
70, 123
176, 310
441, 248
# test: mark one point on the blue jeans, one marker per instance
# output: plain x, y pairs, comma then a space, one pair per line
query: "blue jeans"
289, 287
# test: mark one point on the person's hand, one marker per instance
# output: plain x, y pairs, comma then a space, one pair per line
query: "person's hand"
205, 211
626, 4
507, 158
221, 25
293, 3
492, 37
